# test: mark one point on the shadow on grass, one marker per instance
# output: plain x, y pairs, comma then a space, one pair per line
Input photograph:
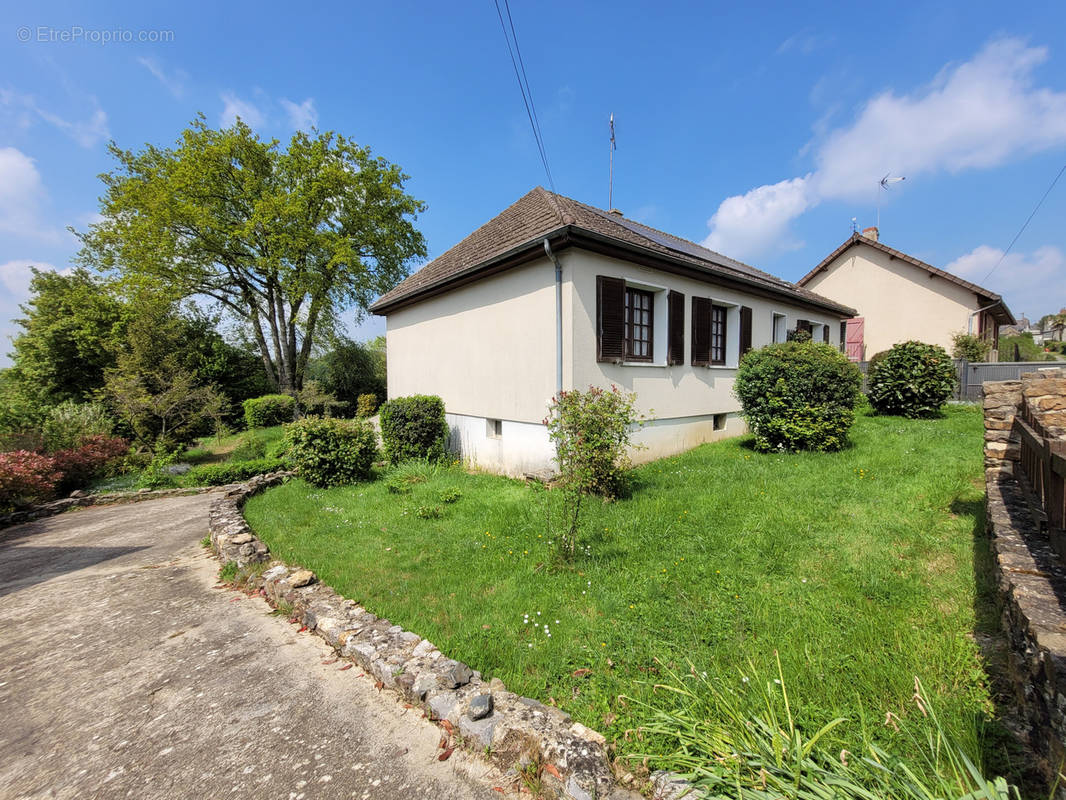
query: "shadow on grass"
1001, 751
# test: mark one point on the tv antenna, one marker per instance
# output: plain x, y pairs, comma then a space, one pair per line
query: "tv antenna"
610, 182
884, 183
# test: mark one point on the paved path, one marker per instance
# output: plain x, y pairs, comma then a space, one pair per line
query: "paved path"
123, 673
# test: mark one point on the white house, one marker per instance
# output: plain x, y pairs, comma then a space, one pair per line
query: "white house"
899, 298
553, 294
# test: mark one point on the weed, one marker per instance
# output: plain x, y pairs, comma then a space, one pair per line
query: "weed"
205, 542
228, 572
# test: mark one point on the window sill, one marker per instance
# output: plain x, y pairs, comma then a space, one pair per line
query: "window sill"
644, 364
721, 366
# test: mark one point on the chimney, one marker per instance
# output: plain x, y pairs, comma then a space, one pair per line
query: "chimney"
616, 212
870, 233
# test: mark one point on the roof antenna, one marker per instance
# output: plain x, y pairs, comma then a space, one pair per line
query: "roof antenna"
854, 225
610, 183
884, 183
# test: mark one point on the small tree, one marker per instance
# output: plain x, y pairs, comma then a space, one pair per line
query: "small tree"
914, 380
969, 347
414, 427
798, 395
591, 431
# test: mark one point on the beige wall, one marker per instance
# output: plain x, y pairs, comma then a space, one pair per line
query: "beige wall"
897, 300
672, 391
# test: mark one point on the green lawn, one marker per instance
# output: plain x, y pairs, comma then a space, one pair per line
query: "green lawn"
861, 568
217, 450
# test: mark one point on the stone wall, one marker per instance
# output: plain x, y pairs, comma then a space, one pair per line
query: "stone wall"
1030, 575
510, 729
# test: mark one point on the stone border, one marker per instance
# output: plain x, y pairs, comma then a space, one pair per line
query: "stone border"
80, 500
510, 729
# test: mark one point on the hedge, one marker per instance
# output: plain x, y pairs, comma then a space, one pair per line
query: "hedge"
913, 379
269, 410
232, 471
414, 427
331, 452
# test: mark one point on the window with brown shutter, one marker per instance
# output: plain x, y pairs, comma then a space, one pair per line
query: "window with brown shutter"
803, 325
745, 330
825, 334
610, 319
675, 338
718, 317
701, 331
639, 318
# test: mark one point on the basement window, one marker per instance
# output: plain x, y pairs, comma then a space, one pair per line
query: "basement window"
494, 428
719, 422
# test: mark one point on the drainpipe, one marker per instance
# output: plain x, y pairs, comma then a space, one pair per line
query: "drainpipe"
558, 317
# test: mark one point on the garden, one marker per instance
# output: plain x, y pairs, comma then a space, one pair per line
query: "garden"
823, 580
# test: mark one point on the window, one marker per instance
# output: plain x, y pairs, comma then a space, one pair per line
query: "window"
780, 331
494, 428
718, 334
719, 422
638, 325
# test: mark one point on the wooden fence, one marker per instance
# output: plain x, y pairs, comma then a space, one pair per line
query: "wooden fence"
1044, 463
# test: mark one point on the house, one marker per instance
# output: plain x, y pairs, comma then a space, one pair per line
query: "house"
554, 294
899, 298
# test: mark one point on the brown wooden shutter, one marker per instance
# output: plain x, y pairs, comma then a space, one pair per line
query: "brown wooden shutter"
610, 319
745, 330
675, 340
701, 331
803, 325
825, 334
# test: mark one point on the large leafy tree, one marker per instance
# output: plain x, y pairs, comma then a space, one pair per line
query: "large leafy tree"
284, 239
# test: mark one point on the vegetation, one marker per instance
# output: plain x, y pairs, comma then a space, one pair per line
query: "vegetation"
269, 410
1021, 347
720, 557
28, 477
414, 427
351, 369
366, 405
283, 239
591, 432
799, 395
969, 347
232, 471
913, 380
331, 452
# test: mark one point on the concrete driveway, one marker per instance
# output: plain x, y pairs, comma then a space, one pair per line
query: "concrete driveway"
123, 673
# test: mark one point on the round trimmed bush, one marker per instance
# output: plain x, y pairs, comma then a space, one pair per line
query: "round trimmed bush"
414, 427
331, 452
268, 410
798, 396
913, 379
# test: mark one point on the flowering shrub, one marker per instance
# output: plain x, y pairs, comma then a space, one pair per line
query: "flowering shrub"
798, 396
913, 380
591, 431
79, 465
26, 478
331, 452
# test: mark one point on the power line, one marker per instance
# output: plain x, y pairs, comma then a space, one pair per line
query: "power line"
523, 86
1026, 225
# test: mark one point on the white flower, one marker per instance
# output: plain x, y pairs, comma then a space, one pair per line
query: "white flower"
556, 622
745, 679
777, 681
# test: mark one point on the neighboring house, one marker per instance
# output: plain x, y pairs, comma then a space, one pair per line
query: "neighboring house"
899, 298
554, 294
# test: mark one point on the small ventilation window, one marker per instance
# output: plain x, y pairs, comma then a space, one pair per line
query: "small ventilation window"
719, 422
494, 428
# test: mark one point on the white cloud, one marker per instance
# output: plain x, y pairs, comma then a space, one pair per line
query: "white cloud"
805, 42
21, 195
174, 83
1025, 280
974, 115
87, 132
302, 116
758, 221
234, 107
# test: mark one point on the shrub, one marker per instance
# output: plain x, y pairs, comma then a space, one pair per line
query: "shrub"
268, 410
366, 405
26, 478
798, 335
70, 423
232, 472
798, 396
249, 447
330, 452
969, 347
91, 459
157, 474
414, 427
914, 380
591, 431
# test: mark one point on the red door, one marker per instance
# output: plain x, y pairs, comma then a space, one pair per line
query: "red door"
853, 339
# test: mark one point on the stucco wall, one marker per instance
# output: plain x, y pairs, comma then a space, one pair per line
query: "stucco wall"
897, 300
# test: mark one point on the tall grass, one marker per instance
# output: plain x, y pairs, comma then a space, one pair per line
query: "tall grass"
722, 747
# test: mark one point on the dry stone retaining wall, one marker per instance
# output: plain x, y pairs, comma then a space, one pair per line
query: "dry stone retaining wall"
510, 729
1030, 576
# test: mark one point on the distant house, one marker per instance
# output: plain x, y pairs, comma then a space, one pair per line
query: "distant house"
898, 298
553, 294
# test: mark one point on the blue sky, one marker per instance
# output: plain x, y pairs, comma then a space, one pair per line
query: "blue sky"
759, 129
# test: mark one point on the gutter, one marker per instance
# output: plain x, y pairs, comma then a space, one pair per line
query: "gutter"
969, 320
558, 317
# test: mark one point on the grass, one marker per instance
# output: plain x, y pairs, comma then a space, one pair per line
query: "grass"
861, 571
216, 450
